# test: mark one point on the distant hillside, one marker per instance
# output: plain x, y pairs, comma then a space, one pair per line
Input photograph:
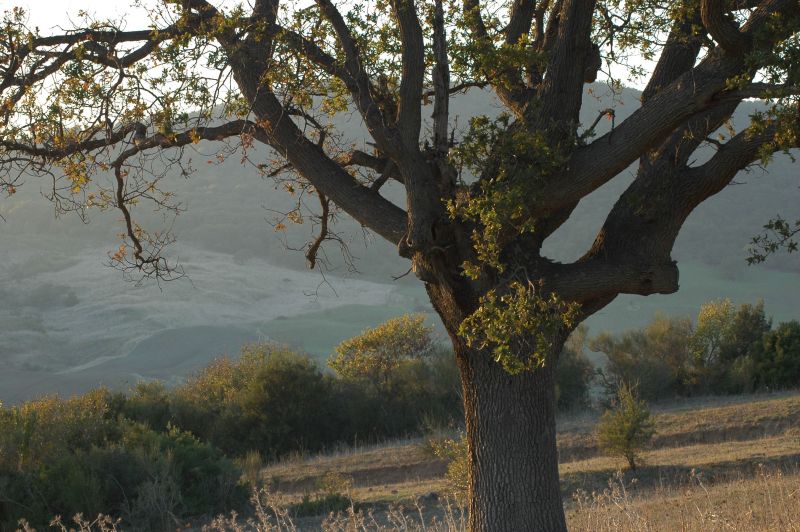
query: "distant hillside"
63, 311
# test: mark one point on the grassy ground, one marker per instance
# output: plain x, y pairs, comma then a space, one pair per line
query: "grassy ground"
715, 463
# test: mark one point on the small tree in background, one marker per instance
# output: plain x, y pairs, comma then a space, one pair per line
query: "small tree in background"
724, 344
657, 357
377, 353
455, 453
627, 427
778, 362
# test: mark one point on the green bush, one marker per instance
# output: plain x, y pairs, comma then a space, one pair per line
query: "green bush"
275, 401
724, 343
455, 453
286, 405
778, 361
642, 356
62, 457
729, 350
628, 427
320, 505
330, 497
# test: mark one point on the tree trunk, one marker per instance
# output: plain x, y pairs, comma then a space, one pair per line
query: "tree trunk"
511, 432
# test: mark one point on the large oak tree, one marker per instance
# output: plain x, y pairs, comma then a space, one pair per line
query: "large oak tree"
103, 112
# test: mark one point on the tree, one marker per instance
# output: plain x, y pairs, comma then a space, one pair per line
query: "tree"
778, 362
377, 353
656, 357
627, 427
106, 101
723, 339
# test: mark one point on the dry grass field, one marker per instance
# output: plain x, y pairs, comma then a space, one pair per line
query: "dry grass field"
714, 464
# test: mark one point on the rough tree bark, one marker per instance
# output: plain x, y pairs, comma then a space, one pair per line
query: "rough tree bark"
511, 434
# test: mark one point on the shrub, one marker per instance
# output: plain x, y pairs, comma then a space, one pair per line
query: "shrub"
63, 457
627, 427
658, 357
274, 401
331, 503
670, 357
724, 343
271, 400
286, 405
778, 362
455, 452
376, 354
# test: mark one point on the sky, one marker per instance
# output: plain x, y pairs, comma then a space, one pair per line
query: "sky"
50, 14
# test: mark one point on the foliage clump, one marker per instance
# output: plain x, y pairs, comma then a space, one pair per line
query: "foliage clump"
64, 457
521, 316
728, 349
376, 354
627, 427
454, 451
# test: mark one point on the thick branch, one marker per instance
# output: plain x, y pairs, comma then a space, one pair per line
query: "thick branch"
722, 28
679, 55
599, 278
310, 160
560, 94
360, 158
695, 91
441, 82
356, 78
646, 220
409, 115
522, 12
510, 90
739, 152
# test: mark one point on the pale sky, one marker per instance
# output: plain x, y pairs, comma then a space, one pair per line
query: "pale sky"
49, 14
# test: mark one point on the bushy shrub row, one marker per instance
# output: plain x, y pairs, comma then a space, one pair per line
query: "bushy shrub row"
62, 457
275, 401
728, 349
153, 455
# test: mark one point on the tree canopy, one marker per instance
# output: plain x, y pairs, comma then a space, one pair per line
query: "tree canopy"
103, 113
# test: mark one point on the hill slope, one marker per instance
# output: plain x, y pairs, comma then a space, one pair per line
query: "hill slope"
67, 322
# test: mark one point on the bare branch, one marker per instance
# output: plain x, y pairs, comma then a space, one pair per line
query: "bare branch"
311, 254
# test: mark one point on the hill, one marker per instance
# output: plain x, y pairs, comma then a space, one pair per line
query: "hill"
68, 323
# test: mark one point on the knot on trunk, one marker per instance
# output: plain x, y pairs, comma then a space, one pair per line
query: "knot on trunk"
659, 279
